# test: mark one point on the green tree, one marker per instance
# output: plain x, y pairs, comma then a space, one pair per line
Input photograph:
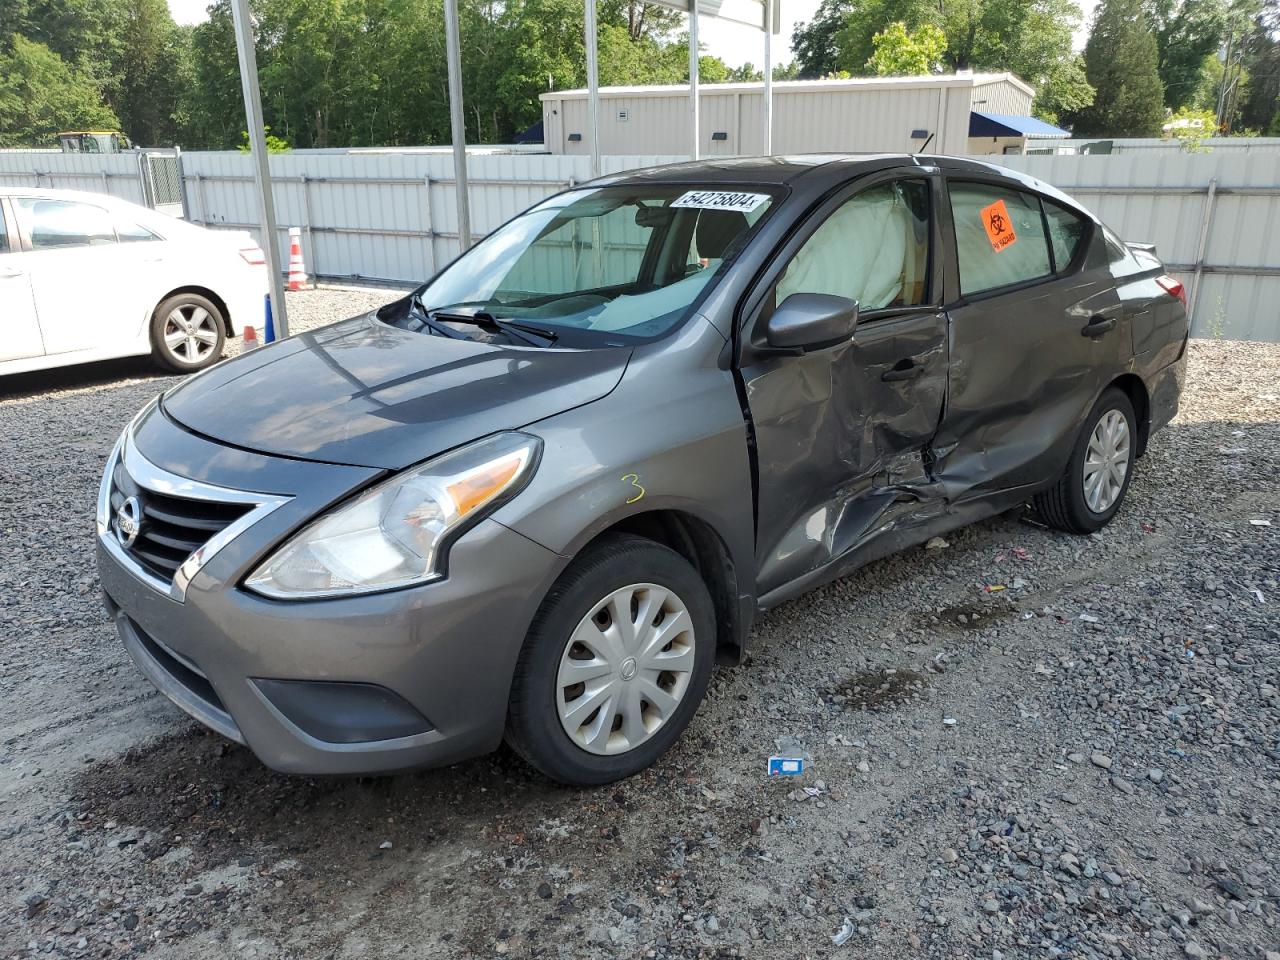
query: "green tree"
1121, 61
814, 43
899, 53
153, 74
213, 103
1260, 110
1030, 38
1187, 32
41, 94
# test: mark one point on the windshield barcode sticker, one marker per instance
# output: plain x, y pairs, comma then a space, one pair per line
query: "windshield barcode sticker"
721, 200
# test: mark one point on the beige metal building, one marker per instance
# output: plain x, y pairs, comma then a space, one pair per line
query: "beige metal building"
892, 114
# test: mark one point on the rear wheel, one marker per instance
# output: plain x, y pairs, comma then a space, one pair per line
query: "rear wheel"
188, 333
1096, 479
615, 664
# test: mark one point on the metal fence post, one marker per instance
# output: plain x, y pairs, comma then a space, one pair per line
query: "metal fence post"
696, 145
182, 184
306, 225
141, 159
593, 83
1206, 218
430, 226
457, 126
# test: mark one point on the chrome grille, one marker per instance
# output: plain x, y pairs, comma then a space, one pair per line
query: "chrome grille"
171, 528
162, 527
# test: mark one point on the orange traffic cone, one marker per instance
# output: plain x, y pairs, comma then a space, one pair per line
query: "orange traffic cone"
297, 269
250, 339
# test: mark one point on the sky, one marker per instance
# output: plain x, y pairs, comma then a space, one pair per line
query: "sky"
733, 43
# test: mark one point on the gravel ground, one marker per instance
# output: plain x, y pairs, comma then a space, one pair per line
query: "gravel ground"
1084, 764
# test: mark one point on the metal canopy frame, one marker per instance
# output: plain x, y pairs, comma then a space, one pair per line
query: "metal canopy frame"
764, 15
261, 167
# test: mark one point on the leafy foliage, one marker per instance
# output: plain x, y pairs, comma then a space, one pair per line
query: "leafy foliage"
1187, 32
42, 94
1031, 38
899, 53
1190, 127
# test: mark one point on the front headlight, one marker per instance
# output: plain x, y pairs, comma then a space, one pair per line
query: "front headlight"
395, 534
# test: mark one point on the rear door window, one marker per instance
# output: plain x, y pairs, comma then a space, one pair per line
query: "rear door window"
1000, 236
1067, 230
59, 224
4, 232
129, 232
874, 249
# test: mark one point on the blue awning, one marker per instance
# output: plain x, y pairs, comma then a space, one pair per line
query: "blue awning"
1011, 125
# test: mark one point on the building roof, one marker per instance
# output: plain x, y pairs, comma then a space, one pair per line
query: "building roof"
983, 124
925, 81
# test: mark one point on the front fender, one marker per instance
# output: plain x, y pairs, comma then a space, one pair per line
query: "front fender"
671, 436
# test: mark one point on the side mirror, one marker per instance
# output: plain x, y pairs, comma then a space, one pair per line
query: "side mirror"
811, 321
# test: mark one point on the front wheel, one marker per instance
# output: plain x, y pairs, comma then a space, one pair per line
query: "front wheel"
615, 664
188, 333
1096, 479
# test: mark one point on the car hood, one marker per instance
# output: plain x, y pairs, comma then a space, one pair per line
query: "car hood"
365, 393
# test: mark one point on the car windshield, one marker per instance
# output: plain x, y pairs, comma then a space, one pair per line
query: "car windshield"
628, 261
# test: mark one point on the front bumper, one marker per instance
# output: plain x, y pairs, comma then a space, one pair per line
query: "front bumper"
425, 672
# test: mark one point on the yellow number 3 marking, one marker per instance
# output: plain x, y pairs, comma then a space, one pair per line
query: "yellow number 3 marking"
634, 480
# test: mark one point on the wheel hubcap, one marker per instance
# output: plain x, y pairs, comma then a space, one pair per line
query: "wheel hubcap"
190, 333
1106, 462
625, 669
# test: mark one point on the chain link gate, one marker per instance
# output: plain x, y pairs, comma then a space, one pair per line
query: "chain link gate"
161, 176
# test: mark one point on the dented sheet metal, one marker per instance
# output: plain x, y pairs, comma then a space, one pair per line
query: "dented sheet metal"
1022, 379
840, 438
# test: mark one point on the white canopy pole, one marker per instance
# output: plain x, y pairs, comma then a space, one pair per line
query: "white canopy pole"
261, 166
593, 85
457, 128
693, 76
768, 77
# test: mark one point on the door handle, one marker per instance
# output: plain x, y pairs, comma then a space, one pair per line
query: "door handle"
908, 372
1097, 326
7, 274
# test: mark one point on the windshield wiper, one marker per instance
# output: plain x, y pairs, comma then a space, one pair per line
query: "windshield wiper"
424, 316
534, 336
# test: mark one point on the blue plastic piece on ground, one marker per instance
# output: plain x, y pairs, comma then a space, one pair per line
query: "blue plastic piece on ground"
786, 766
269, 331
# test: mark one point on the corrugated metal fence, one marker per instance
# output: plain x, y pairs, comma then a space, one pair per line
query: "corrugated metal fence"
1163, 145
117, 174
1214, 217
389, 218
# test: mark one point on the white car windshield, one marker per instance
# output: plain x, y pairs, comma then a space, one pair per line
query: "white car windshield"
628, 260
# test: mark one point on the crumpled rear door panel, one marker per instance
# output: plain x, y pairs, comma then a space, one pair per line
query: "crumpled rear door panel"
1022, 378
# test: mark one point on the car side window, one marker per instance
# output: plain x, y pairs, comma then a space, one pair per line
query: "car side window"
1000, 236
58, 224
4, 234
873, 249
1067, 230
128, 232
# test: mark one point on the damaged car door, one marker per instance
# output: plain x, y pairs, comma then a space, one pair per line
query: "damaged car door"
841, 429
1036, 333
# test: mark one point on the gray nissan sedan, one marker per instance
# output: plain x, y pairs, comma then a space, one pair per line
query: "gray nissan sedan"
539, 496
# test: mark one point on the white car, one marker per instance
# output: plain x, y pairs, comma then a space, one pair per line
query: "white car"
85, 276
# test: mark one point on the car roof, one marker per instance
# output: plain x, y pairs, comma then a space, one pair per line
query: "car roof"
49, 193
821, 170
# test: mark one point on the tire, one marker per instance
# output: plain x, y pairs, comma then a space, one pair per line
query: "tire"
1073, 505
576, 608
185, 313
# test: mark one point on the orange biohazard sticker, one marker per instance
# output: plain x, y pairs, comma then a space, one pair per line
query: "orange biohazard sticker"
995, 220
